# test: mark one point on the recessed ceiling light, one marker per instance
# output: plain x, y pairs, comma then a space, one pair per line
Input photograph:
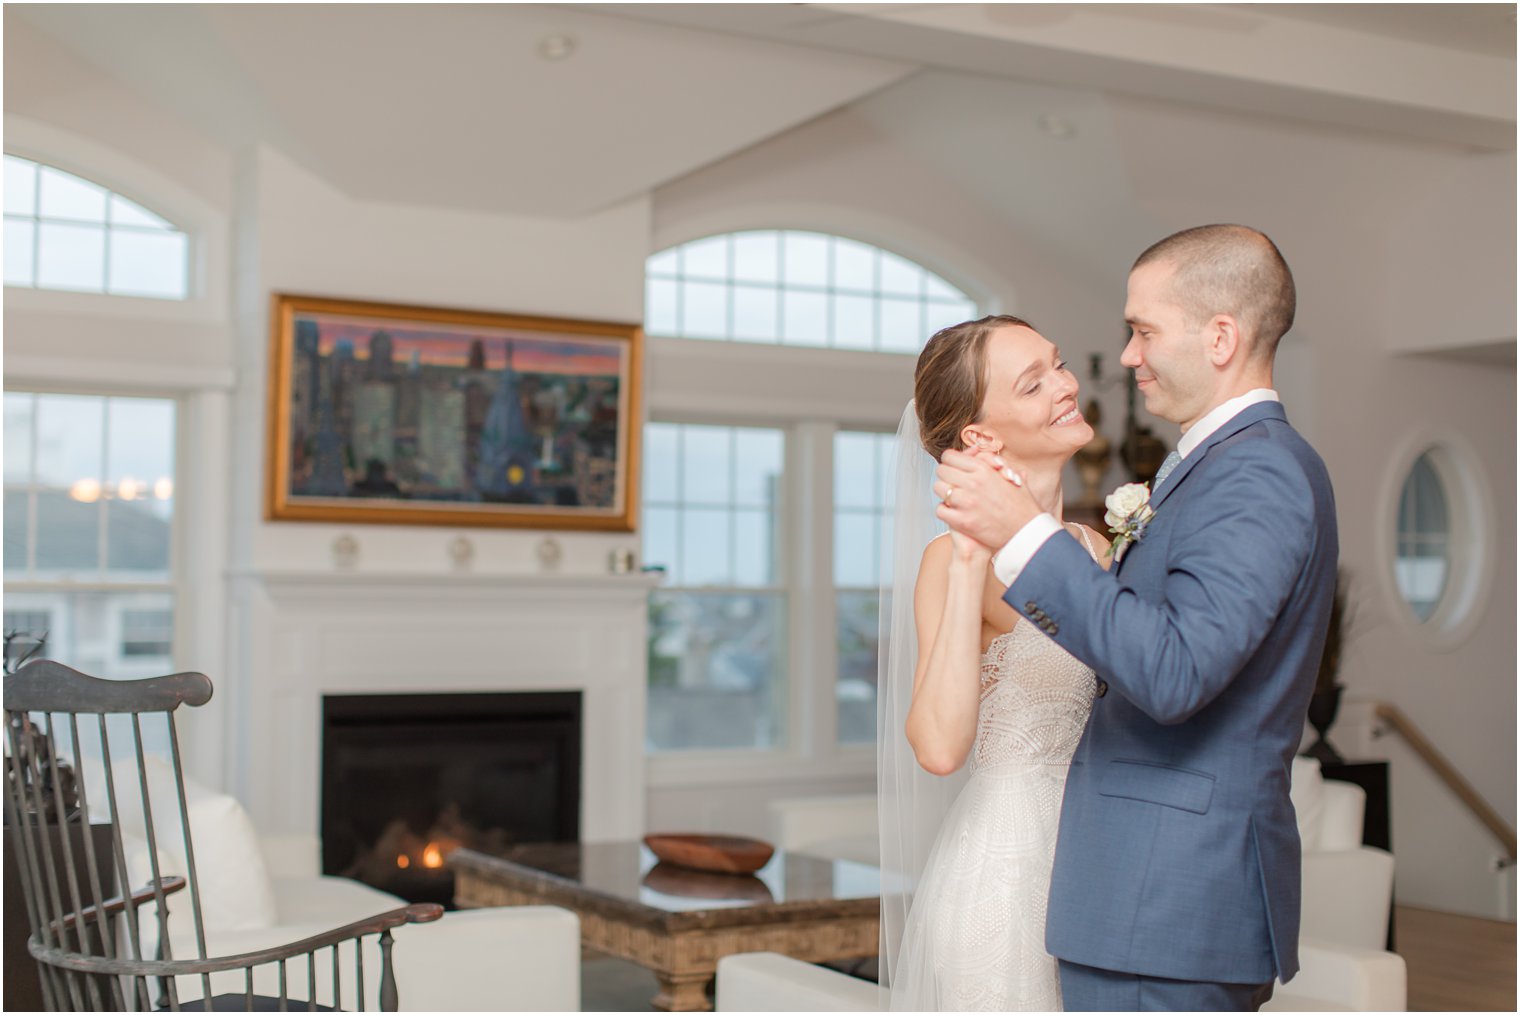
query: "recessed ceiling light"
557, 46
1057, 126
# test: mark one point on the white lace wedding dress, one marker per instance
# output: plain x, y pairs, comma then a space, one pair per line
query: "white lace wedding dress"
975, 935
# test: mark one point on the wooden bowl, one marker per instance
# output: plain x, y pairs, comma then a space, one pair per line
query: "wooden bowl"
723, 854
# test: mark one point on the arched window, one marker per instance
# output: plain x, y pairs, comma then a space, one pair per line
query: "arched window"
791, 287
763, 637
65, 232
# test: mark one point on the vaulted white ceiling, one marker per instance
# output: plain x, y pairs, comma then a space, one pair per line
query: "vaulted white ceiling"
458, 105
454, 105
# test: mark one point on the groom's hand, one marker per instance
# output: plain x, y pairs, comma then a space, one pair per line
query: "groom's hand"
982, 498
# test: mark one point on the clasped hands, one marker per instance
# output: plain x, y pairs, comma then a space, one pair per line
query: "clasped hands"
982, 497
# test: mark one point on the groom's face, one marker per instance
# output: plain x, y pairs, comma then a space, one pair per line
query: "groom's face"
1166, 351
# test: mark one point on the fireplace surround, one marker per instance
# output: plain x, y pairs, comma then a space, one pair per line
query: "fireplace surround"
309, 636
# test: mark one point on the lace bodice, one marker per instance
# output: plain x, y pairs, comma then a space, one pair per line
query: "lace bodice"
1035, 698
1034, 703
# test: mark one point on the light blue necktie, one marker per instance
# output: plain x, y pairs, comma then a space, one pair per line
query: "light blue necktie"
1171, 462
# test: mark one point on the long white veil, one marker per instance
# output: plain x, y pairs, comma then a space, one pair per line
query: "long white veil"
911, 802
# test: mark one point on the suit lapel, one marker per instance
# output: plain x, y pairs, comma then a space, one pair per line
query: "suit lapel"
1248, 416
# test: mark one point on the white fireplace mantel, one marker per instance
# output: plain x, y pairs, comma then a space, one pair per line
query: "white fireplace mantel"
308, 634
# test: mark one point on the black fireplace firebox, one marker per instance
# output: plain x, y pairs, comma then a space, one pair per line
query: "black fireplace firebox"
408, 778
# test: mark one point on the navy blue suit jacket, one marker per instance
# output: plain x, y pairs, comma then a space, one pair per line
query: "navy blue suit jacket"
1178, 853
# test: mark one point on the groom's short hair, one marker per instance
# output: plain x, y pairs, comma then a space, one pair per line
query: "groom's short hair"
1235, 270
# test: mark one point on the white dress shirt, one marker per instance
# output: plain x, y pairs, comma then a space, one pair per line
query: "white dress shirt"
1009, 562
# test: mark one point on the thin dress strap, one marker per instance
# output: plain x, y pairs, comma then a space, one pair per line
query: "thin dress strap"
1092, 551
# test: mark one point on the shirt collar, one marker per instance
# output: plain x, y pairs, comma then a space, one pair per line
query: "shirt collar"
1220, 415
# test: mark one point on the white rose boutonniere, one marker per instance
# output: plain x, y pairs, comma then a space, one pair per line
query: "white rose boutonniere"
1129, 512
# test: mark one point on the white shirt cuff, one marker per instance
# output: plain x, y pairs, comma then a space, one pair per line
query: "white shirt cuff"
1009, 562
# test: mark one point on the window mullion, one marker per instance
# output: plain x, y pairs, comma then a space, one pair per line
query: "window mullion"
731, 508
32, 499
876, 300
105, 248
729, 287
812, 542
105, 498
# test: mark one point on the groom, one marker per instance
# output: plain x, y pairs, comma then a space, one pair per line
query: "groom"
1176, 881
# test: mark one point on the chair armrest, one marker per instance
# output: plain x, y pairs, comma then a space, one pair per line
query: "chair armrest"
292, 856
1343, 977
1347, 895
118, 903
767, 981
421, 912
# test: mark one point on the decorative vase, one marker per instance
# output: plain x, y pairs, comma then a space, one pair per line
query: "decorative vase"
1142, 451
1323, 705
1092, 457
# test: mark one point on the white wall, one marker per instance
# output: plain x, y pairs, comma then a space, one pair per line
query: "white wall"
313, 240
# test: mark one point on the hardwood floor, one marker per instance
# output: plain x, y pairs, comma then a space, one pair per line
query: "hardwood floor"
1456, 963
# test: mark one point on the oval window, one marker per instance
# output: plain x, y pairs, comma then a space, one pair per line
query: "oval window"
1423, 565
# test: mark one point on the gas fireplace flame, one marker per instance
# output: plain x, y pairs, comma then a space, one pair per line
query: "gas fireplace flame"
424, 857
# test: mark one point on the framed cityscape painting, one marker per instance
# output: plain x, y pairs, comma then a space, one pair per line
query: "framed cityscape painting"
395, 414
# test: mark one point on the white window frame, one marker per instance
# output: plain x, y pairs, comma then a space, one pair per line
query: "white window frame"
1470, 513
116, 627
209, 259
56, 607
810, 393
807, 547
174, 584
110, 230
786, 585
198, 553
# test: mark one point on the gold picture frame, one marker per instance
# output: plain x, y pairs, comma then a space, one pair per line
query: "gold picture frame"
385, 413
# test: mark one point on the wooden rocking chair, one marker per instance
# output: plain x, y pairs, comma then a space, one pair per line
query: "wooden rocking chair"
100, 949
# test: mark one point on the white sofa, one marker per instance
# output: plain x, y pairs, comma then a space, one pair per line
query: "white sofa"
1348, 892
258, 892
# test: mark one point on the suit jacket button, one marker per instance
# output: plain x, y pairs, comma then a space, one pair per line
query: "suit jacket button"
1031, 609
1102, 688
1055, 628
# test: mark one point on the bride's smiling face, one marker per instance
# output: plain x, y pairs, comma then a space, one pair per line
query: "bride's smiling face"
1030, 409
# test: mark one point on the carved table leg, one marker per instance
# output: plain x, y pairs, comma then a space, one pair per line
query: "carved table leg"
683, 992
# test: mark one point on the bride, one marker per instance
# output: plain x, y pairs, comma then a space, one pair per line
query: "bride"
966, 875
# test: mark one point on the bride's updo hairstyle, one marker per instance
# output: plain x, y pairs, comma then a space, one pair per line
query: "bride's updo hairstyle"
950, 381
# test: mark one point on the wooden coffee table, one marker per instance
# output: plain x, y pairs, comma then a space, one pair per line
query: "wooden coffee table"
679, 923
